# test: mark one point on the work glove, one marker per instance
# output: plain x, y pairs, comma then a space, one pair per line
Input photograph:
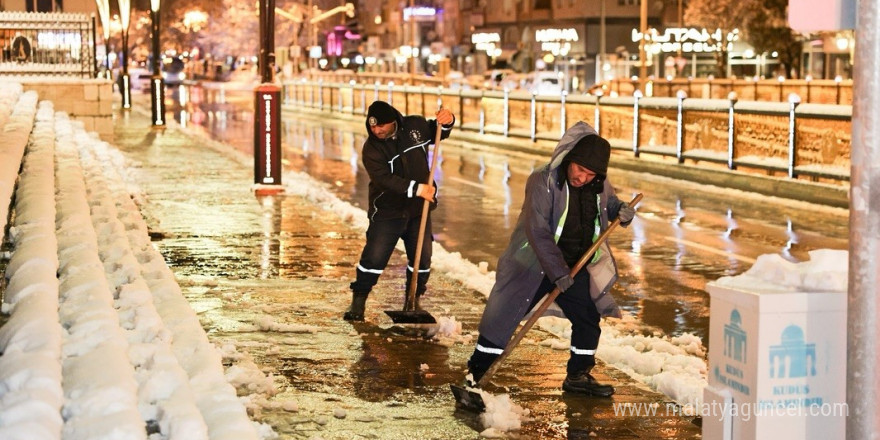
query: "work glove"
564, 282
426, 192
626, 213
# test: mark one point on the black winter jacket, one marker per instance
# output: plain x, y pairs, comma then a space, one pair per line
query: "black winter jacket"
397, 165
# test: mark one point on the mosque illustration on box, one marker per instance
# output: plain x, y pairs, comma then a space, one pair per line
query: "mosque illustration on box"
793, 357
735, 338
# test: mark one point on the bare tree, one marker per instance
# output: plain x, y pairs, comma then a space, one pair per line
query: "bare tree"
725, 15
767, 30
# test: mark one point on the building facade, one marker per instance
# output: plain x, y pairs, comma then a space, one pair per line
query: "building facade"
85, 6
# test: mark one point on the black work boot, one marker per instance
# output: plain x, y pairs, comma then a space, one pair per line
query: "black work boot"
408, 305
355, 311
584, 383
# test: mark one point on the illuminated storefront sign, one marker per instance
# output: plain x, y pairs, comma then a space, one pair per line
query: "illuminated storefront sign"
684, 39
418, 12
486, 41
556, 41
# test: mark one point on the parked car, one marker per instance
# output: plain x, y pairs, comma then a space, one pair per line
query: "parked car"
494, 78
173, 71
545, 83
457, 80
139, 78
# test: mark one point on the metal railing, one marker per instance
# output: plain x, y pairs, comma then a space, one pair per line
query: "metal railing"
815, 91
791, 139
51, 43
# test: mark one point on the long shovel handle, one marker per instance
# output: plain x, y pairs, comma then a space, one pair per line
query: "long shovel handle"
538, 312
413, 285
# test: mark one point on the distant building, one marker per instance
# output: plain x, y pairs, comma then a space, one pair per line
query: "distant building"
85, 6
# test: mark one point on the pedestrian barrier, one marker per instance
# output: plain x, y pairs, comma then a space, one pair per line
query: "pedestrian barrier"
809, 141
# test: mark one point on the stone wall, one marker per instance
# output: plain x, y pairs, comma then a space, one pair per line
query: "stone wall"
86, 100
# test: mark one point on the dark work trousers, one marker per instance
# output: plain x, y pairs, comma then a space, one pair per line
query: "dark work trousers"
578, 308
382, 236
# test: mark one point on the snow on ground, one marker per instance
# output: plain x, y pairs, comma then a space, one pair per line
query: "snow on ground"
113, 323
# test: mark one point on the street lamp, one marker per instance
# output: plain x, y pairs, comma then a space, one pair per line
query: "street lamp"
104, 13
125, 16
643, 28
157, 86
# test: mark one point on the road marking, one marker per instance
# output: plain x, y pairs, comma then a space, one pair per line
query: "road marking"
466, 182
711, 250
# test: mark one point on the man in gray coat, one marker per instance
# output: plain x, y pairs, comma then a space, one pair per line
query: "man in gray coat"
567, 204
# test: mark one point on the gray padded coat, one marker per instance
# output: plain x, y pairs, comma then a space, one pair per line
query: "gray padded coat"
532, 251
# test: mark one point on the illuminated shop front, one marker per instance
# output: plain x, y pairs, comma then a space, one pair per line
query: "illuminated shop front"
691, 52
421, 39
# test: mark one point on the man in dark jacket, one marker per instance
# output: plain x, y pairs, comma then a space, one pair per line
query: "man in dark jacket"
568, 204
395, 156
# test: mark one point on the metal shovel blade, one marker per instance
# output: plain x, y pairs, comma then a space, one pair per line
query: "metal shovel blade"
411, 317
466, 399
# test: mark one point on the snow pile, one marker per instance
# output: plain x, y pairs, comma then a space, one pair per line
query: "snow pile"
674, 366
114, 323
163, 390
31, 395
501, 415
216, 399
447, 332
827, 270
17, 111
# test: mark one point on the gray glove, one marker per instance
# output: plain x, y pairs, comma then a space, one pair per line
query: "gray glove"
564, 282
626, 213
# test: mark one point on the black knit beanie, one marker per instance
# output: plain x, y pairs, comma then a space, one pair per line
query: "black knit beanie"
591, 152
380, 113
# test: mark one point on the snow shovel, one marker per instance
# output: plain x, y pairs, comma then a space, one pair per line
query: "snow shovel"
472, 400
411, 313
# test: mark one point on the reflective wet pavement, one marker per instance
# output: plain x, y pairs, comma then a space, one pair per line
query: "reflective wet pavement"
685, 236
270, 276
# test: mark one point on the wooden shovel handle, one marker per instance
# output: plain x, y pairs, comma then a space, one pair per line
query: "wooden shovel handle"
414, 280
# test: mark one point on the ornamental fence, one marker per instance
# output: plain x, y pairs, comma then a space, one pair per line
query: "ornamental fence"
813, 91
47, 44
794, 139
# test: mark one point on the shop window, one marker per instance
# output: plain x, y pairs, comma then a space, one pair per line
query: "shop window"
44, 5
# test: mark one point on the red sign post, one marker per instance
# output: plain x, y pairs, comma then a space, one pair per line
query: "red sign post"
267, 110
267, 136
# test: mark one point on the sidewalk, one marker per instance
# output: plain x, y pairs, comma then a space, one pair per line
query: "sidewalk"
270, 278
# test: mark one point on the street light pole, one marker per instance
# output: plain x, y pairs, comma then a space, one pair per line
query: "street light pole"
600, 63
157, 86
125, 16
412, 41
104, 13
643, 26
267, 108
